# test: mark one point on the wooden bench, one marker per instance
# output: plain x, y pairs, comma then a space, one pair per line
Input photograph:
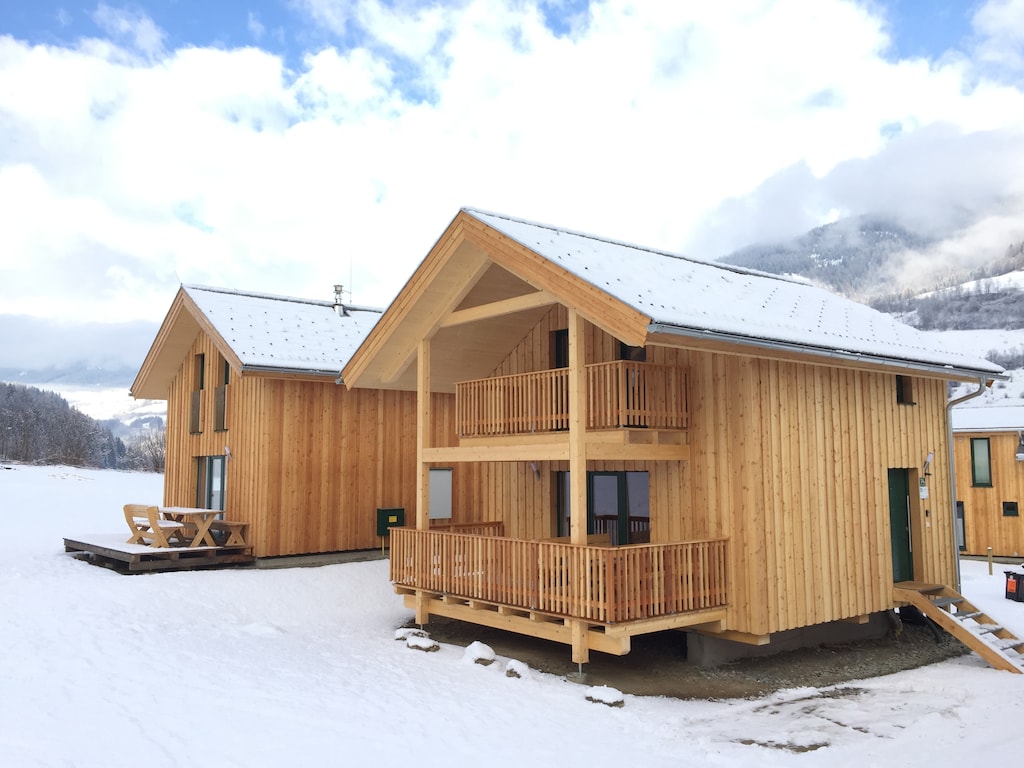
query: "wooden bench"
234, 532
144, 522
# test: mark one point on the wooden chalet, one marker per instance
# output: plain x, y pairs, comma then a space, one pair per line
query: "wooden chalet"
988, 446
259, 425
645, 442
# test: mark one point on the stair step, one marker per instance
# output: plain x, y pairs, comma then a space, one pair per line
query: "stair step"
1008, 643
965, 616
984, 629
942, 602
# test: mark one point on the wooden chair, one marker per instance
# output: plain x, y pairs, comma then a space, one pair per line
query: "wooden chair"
144, 523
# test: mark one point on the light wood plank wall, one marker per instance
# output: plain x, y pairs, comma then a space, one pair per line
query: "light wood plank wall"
310, 460
789, 461
984, 523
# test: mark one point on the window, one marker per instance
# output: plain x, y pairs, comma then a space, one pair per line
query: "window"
1010, 509
560, 348
618, 504
633, 354
904, 390
981, 465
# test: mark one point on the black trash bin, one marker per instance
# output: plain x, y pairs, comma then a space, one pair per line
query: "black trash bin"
1014, 586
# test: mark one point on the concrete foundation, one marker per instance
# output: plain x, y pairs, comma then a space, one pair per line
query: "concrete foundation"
709, 651
318, 559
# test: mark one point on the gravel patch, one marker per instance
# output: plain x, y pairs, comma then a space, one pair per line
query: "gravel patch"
657, 664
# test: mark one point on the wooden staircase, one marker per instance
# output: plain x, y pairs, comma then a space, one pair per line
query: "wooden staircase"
964, 621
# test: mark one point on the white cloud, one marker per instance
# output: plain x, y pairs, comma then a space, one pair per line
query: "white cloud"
1000, 26
132, 26
126, 167
255, 26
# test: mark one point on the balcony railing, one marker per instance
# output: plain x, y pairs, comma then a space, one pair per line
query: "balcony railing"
619, 394
606, 585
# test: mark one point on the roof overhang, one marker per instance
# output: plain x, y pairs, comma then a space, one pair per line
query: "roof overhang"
177, 334
671, 335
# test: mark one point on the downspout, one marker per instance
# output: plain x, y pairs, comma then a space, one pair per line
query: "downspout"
982, 386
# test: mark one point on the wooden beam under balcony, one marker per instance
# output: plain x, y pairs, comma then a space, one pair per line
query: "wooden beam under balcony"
607, 445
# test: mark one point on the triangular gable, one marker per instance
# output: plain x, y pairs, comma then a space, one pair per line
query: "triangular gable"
636, 294
475, 274
257, 334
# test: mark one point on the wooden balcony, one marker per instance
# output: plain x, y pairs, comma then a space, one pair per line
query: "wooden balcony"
598, 584
619, 394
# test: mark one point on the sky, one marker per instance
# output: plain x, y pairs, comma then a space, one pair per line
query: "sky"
287, 145
302, 666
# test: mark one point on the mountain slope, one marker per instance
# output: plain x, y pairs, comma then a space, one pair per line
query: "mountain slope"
850, 256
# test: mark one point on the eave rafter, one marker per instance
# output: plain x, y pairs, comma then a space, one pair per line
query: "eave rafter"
600, 309
445, 306
499, 308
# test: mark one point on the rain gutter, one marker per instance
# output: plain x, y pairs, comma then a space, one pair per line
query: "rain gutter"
291, 371
835, 354
982, 386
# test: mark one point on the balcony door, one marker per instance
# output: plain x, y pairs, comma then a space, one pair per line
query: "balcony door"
618, 504
211, 477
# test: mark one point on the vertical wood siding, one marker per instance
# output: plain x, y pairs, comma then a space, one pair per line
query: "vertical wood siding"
788, 460
311, 461
984, 523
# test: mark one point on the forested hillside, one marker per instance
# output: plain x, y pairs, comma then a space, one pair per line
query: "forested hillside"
39, 427
850, 256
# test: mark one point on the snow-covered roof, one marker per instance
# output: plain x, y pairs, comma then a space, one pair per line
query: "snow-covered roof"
694, 297
283, 333
994, 418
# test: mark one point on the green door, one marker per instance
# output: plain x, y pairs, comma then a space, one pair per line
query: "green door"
899, 525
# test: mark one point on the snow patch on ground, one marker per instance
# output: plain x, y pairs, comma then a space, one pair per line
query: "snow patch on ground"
300, 666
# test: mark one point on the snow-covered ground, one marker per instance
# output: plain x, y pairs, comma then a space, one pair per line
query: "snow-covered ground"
301, 667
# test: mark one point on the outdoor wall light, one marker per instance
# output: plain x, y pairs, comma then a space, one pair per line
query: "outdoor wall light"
928, 463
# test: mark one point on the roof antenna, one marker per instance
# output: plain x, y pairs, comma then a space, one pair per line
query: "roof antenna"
339, 307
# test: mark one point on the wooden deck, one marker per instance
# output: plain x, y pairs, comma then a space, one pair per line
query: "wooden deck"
601, 584
109, 550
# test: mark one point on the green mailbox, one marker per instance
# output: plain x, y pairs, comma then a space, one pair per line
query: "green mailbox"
389, 518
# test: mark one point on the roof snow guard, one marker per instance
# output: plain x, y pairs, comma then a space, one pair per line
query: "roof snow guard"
701, 299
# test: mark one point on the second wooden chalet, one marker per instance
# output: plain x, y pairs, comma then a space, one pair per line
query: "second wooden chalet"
645, 442
259, 425
988, 443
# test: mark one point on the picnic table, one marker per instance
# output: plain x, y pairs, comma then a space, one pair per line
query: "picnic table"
194, 518
190, 527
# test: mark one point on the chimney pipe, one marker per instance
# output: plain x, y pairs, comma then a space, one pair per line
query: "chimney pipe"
339, 306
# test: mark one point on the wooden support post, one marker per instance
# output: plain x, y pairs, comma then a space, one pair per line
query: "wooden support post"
577, 431
422, 608
580, 642
422, 438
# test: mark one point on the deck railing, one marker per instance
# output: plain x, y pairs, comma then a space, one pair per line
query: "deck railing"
619, 394
607, 585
